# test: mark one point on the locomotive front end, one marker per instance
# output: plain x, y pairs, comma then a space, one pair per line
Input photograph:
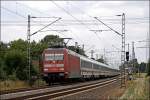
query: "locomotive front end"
54, 65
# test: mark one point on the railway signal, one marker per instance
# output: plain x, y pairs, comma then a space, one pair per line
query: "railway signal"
127, 56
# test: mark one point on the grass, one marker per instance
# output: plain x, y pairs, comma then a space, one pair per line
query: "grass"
137, 89
17, 84
10, 85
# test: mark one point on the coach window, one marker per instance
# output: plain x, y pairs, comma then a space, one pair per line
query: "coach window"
90, 64
82, 63
95, 66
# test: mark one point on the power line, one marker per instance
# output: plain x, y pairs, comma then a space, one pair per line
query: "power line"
40, 13
35, 10
74, 22
13, 12
108, 26
24, 17
45, 26
71, 15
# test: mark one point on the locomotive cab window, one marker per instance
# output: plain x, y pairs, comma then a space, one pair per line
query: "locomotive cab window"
59, 56
54, 57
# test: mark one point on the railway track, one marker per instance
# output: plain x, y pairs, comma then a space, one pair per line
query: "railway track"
73, 91
22, 89
36, 88
58, 91
32, 88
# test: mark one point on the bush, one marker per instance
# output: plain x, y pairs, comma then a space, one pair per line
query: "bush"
148, 71
12, 77
15, 62
2, 72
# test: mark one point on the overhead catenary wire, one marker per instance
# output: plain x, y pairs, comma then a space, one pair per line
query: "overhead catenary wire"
41, 13
18, 14
96, 34
69, 14
72, 16
34, 21
108, 26
45, 26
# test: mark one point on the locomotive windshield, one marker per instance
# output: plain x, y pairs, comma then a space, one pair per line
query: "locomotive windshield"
52, 57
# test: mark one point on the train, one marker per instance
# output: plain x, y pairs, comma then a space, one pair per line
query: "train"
60, 64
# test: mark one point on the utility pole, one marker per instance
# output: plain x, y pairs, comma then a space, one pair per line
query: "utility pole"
128, 47
92, 52
122, 69
28, 49
123, 77
104, 56
133, 58
96, 56
76, 44
28, 40
83, 47
133, 53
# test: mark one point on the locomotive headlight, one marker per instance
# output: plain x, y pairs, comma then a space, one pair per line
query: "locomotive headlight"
61, 68
45, 69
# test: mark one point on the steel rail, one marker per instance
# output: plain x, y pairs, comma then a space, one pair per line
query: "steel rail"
56, 89
72, 91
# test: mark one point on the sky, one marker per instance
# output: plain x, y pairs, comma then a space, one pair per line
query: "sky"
77, 17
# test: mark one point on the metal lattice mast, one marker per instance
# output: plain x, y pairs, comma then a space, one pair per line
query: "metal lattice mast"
28, 48
123, 79
28, 39
122, 68
133, 53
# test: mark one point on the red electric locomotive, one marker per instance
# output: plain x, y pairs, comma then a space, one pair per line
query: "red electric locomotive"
59, 64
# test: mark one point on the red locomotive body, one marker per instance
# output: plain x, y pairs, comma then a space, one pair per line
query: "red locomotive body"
58, 65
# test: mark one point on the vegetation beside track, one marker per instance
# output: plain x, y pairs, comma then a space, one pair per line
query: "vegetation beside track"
18, 84
10, 84
138, 89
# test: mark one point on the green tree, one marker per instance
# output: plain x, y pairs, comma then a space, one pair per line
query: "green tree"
148, 70
2, 72
142, 67
51, 40
18, 45
37, 49
78, 50
15, 62
3, 50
